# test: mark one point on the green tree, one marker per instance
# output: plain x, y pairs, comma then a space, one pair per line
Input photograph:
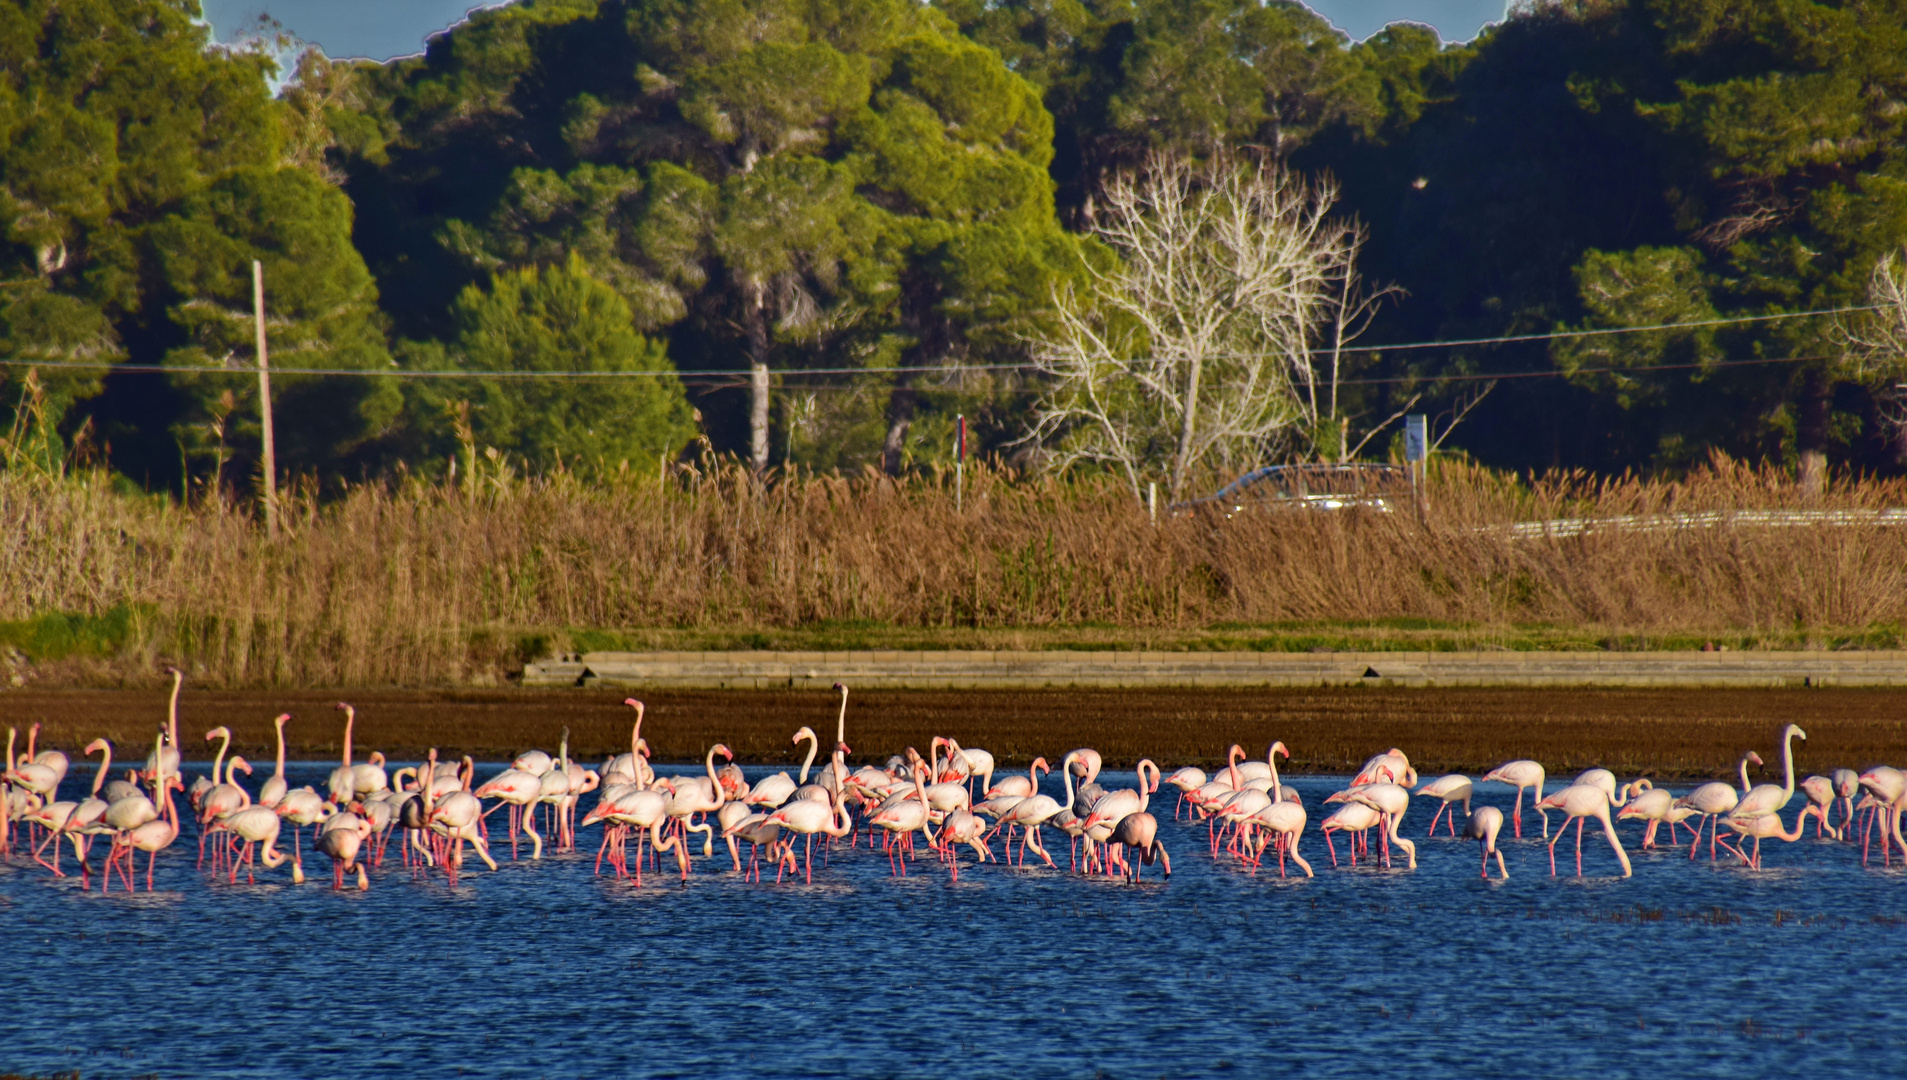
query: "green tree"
1785, 122
321, 308
1178, 76
111, 113
560, 318
784, 184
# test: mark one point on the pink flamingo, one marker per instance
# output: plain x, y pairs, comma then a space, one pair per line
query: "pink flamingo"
166, 755
809, 818
1483, 827
1766, 826
1452, 788
1715, 799
1354, 818
1768, 798
1522, 774
275, 786
1138, 833
1581, 802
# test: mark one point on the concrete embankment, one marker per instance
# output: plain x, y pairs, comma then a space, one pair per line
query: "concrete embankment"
1063, 669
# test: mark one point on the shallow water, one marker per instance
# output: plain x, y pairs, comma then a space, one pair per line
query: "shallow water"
542, 969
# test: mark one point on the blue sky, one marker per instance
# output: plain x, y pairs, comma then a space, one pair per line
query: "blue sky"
381, 29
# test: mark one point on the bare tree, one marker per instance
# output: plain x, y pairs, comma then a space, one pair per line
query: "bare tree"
1877, 341
1217, 338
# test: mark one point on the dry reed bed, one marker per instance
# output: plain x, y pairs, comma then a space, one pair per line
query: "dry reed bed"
414, 584
1666, 732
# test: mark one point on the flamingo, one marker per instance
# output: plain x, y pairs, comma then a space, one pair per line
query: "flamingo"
344, 840
1581, 802
517, 789
274, 787
258, 826
1452, 788
1888, 787
1715, 799
1766, 826
1820, 793
1847, 784
774, 790
903, 817
1032, 812
1139, 832
1352, 817
151, 836
1653, 805
1187, 780
166, 757
1390, 766
1522, 774
694, 796
808, 818
964, 827
1020, 787
88, 817
343, 778
1393, 802
51, 759
456, 818
629, 768
1483, 827
975, 764
1086, 764
370, 778
1769, 798
1285, 822
1114, 805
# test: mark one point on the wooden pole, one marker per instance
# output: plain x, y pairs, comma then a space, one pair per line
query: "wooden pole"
960, 462
270, 464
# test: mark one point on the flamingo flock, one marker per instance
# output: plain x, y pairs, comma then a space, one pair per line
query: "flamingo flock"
913, 807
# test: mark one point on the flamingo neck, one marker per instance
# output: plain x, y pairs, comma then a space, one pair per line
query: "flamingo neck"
279, 772
714, 781
1744, 775
350, 717
1277, 788
218, 760
814, 747
105, 766
172, 710
1787, 764
841, 721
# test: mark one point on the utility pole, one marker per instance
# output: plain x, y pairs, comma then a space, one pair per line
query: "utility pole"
264, 401
960, 461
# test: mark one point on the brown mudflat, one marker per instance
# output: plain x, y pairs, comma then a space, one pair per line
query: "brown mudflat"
1667, 732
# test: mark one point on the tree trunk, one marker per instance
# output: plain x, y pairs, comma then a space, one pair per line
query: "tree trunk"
757, 379
1811, 433
1181, 461
900, 413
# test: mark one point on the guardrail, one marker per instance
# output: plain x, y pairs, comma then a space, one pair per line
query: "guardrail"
1765, 519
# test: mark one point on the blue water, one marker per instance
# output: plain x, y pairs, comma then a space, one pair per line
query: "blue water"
382, 29
542, 969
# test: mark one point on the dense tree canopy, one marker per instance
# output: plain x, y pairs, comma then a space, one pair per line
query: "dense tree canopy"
878, 201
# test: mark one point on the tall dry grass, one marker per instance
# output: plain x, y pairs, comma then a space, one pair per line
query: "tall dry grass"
415, 583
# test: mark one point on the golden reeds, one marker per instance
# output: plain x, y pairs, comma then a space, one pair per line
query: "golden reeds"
413, 583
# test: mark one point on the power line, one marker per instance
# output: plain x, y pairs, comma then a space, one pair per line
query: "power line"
735, 373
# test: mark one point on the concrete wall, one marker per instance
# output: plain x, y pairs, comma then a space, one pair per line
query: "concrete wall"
1058, 669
